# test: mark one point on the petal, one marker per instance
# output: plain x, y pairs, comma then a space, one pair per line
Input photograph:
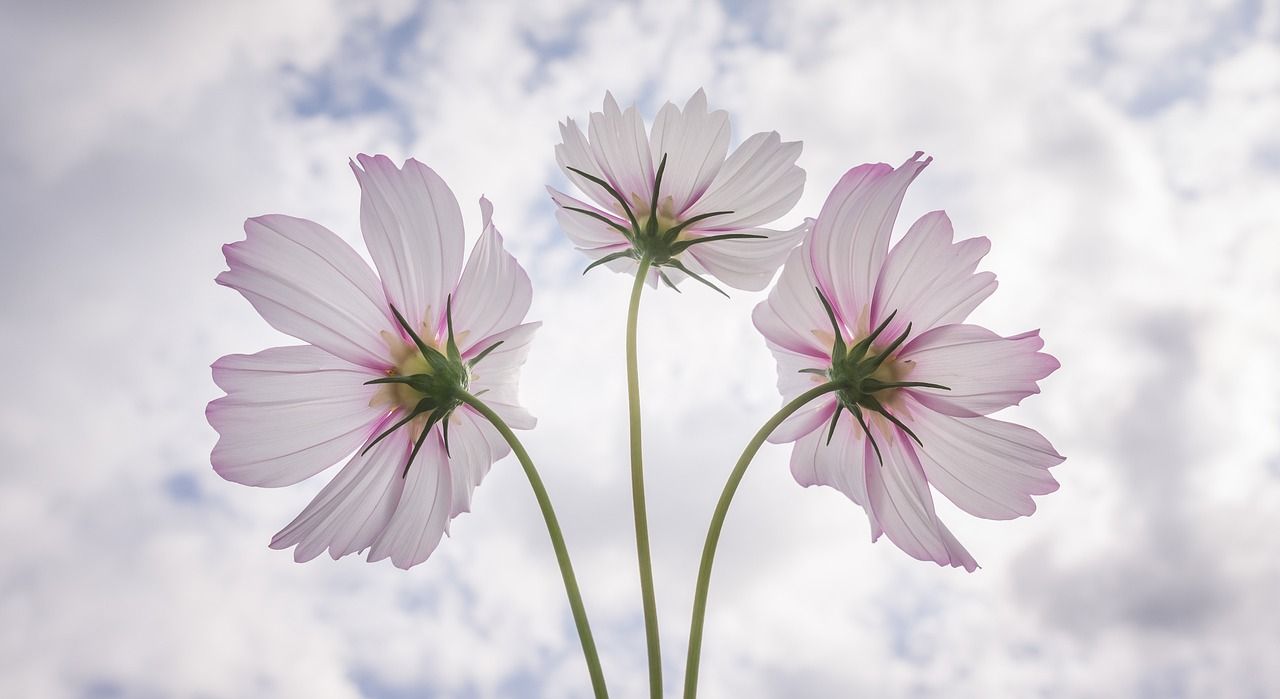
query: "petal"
306, 282
758, 183
423, 512
352, 510
695, 143
474, 445
791, 383
584, 231
413, 228
988, 468
575, 152
929, 280
289, 413
494, 293
621, 147
984, 371
748, 264
902, 504
498, 374
851, 236
841, 464
792, 316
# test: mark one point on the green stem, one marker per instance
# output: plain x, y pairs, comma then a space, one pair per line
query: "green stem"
637, 489
557, 542
717, 523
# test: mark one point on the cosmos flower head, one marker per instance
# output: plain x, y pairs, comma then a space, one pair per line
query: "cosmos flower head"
386, 361
677, 196
915, 383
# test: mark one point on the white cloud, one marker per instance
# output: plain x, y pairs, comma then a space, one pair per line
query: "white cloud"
1121, 158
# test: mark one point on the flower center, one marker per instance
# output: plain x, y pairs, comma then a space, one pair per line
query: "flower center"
867, 376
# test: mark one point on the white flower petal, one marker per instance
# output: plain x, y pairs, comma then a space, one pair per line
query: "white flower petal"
988, 468
748, 264
498, 374
929, 280
494, 293
984, 372
621, 147
851, 236
902, 504
842, 464
421, 516
289, 413
352, 510
413, 228
695, 143
575, 152
758, 183
306, 282
474, 446
792, 317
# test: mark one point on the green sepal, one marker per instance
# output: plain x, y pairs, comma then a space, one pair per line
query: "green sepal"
674, 232
450, 344
859, 350
680, 266
857, 412
609, 258
612, 192
651, 226
683, 245
835, 418
838, 350
483, 353
626, 232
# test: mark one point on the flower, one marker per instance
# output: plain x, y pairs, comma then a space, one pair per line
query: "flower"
673, 195
916, 384
369, 381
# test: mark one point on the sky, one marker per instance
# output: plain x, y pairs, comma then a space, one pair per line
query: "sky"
1122, 157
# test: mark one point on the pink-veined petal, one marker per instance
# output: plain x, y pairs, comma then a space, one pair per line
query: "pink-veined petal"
413, 228
306, 282
498, 374
987, 467
695, 143
851, 236
791, 383
929, 280
792, 316
842, 464
584, 231
759, 182
421, 516
748, 264
621, 147
984, 372
474, 445
574, 152
289, 413
902, 504
494, 292
351, 511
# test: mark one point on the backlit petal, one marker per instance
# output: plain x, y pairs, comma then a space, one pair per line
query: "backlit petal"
289, 413
306, 282
421, 515
413, 228
988, 468
748, 264
758, 183
494, 293
695, 143
984, 371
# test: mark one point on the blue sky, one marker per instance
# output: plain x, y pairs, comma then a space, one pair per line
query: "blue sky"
1122, 157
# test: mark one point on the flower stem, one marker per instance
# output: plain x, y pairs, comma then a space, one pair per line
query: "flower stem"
557, 542
637, 489
717, 523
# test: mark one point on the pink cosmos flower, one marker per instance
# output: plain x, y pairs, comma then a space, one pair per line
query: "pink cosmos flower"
916, 383
369, 381
673, 195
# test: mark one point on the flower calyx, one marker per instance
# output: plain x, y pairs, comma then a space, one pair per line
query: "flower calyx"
439, 387
657, 237
862, 377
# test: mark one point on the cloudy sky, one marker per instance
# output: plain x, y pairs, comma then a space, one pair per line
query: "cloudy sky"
1123, 158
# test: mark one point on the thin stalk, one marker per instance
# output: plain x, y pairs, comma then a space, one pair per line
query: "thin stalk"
637, 489
717, 523
557, 542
